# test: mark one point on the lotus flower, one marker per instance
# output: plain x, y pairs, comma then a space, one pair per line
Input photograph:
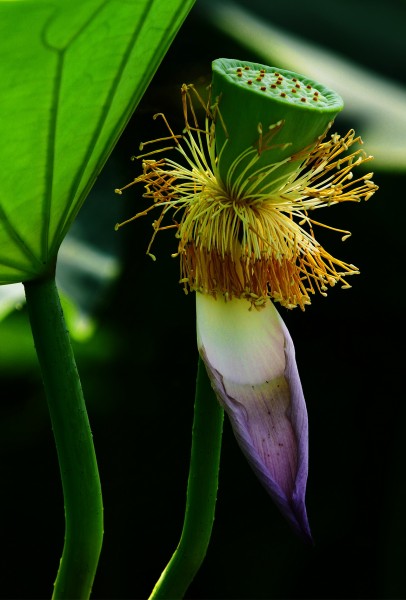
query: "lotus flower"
244, 188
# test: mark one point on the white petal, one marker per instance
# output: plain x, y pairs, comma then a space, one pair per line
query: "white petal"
250, 360
246, 346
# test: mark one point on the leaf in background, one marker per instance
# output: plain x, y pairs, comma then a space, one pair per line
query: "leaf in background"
84, 275
72, 73
378, 103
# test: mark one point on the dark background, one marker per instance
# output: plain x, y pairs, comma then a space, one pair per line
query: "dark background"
138, 373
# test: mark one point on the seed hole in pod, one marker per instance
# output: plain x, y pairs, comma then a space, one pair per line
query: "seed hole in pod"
283, 94
294, 90
309, 87
259, 79
315, 98
273, 86
303, 99
262, 88
249, 81
294, 79
298, 85
247, 68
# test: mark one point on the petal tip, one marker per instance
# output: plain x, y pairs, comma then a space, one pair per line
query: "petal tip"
299, 521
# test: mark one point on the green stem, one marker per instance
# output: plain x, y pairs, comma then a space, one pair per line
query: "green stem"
201, 493
74, 443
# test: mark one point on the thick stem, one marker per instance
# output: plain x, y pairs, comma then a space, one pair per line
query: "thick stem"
74, 442
201, 493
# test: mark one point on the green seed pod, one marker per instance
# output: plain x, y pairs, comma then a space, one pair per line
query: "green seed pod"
266, 116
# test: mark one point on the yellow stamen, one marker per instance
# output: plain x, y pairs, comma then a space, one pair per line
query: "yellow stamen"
244, 240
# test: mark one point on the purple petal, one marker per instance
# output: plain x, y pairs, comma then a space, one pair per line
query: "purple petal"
250, 359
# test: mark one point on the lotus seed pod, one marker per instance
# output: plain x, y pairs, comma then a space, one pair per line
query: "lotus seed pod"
267, 116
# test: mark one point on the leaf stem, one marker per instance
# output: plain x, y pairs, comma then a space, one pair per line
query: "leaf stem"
201, 493
73, 438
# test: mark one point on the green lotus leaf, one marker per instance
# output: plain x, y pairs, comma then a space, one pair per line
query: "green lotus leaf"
71, 74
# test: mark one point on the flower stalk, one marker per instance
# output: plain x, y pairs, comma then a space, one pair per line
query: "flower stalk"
73, 439
201, 493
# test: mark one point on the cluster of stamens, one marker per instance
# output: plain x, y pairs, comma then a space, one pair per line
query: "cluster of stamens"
250, 244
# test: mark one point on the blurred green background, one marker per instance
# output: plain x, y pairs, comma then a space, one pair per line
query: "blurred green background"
138, 368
